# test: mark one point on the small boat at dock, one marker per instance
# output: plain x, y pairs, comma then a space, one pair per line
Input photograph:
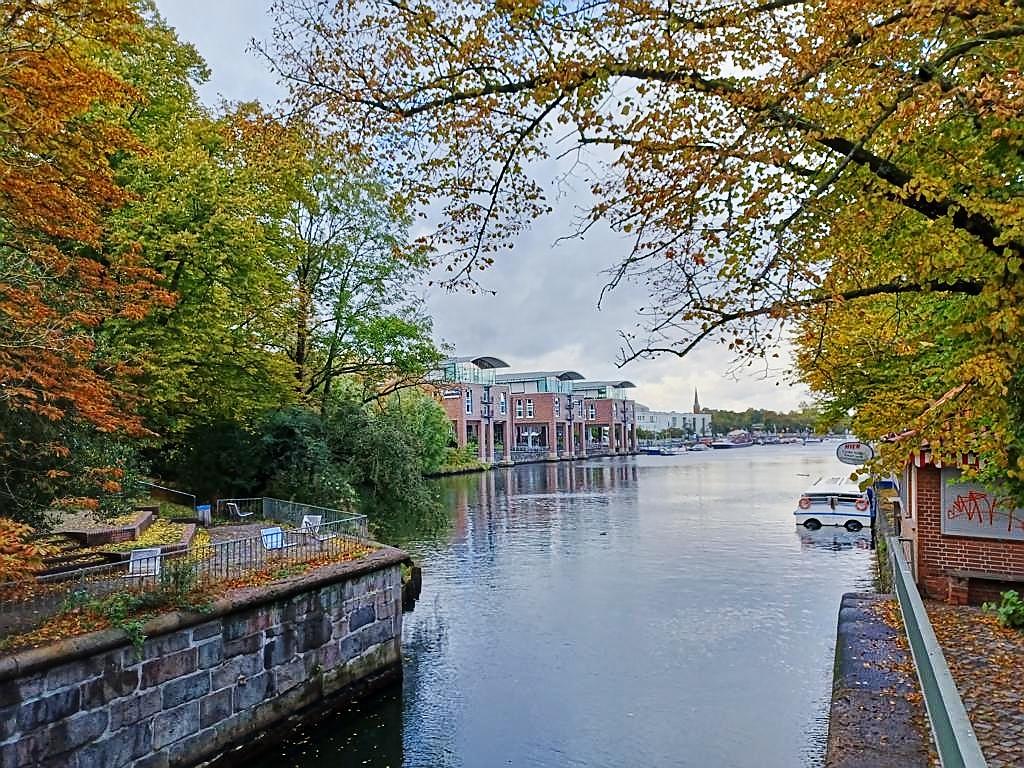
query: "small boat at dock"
738, 438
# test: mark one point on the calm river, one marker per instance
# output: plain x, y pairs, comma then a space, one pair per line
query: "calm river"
648, 611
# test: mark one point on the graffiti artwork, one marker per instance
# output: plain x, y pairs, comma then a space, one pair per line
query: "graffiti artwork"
968, 509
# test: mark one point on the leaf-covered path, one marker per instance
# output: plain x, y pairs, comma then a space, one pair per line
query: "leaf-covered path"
987, 661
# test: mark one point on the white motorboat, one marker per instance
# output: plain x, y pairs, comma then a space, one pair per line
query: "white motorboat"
738, 438
834, 501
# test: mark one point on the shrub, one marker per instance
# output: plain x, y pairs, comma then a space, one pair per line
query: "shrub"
1010, 609
18, 556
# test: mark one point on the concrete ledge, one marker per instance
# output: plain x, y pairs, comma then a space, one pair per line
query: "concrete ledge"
37, 659
872, 723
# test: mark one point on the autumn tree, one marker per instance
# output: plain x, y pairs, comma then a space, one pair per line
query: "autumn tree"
57, 284
770, 161
355, 312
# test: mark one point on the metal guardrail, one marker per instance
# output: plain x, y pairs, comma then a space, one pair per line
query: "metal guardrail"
180, 497
951, 728
26, 605
290, 512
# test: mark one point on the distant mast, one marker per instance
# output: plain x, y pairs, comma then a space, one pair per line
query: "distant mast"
696, 402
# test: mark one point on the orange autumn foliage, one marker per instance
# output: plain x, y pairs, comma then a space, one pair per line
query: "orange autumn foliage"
18, 556
58, 132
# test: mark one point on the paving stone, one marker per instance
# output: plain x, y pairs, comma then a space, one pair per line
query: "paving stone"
175, 724
252, 692
165, 644
186, 688
209, 629
227, 674
215, 708
160, 670
48, 709
114, 683
75, 731
135, 708
211, 653
992, 692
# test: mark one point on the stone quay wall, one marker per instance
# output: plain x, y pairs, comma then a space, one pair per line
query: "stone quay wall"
204, 683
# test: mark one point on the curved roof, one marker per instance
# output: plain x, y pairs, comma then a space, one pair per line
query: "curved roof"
484, 361
489, 362
537, 375
620, 383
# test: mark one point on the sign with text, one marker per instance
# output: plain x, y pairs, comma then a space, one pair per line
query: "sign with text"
451, 394
855, 453
969, 509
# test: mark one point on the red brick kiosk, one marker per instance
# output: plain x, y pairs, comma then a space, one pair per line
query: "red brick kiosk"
966, 543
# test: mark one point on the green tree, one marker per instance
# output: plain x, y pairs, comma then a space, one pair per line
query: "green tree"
206, 202
354, 315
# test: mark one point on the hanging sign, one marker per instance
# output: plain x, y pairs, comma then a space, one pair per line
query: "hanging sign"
855, 453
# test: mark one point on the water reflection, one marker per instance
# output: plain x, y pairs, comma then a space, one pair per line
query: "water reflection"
656, 611
835, 538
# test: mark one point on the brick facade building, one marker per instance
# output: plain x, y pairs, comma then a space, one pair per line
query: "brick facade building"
478, 407
548, 419
534, 415
966, 544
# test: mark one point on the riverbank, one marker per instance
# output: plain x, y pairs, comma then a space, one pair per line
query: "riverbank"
474, 468
203, 683
877, 718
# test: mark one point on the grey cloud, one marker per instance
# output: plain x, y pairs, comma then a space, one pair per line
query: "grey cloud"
544, 314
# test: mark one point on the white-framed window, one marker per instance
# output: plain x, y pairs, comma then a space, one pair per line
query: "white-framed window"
519, 409
469, 400
558, 407
529, 408
502, 403
592, 411
579, 408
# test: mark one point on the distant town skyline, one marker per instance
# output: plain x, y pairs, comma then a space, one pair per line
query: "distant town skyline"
543, 314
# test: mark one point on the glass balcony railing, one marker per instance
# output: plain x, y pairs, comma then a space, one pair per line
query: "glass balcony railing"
460, 373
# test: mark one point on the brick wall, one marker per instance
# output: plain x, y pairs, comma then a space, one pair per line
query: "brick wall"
193, 691
938, 554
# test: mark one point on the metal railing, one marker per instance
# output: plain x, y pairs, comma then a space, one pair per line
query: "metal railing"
273, 553
179, 497
951, 728
290, 512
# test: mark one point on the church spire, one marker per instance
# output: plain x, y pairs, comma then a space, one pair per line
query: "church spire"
696, 402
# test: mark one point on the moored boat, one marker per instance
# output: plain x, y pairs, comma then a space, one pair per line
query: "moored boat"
834, 501
738, 438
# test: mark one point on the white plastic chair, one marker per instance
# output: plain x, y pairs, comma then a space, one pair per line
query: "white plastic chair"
311, 527
274, 539
143, 562
234, 511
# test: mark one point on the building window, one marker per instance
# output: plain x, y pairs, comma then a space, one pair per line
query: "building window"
558, 407
502, 404
579, 408
519, 409
469, 400
529, 409
592, 411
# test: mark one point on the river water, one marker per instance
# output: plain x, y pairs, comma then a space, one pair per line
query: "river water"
646, 611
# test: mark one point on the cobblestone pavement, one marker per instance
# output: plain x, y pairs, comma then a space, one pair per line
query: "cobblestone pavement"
987, 662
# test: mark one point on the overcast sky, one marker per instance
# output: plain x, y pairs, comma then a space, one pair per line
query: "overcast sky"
545, 314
